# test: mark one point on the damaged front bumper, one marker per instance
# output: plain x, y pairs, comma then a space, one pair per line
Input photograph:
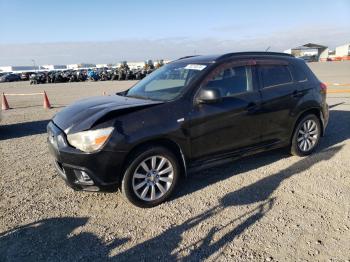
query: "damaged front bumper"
98, 171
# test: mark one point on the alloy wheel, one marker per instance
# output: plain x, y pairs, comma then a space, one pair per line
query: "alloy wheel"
153, 178
307, 135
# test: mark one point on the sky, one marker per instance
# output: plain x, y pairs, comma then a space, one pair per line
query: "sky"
107, 31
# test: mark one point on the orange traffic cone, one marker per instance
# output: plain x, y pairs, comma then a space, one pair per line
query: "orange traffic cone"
47, 104
4, 103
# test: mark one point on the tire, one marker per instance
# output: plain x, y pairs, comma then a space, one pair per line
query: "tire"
136, 179
306, 136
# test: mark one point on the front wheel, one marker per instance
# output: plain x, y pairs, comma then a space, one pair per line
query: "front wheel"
306, 136
151, 177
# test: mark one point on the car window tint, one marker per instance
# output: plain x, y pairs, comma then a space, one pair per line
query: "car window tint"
298, 74
232, 80
273, 75
171, 79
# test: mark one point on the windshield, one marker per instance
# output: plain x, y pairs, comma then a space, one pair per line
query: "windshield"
167, 82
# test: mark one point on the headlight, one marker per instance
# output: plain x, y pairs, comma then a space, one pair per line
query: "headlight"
89, 141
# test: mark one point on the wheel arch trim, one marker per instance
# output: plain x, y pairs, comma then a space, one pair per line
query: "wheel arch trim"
312, 110
165, 142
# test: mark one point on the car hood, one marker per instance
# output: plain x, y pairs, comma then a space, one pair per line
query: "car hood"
83, 114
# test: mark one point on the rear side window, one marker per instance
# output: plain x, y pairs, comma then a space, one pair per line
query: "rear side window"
274, 75
298, 74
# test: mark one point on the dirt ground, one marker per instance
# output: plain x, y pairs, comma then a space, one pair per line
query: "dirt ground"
268, 207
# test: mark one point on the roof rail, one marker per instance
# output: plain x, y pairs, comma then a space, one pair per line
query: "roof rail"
253, 53
184, 57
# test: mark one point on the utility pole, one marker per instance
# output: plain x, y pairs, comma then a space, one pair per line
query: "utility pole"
34, 65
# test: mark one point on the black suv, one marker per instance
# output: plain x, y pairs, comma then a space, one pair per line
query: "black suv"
192, 113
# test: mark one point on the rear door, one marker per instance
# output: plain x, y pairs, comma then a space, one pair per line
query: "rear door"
280, 95
232, 123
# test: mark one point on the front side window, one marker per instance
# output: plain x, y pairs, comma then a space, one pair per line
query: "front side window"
231, 80
274, 75
167, 82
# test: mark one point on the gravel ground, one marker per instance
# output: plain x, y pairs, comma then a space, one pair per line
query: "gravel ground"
270, 207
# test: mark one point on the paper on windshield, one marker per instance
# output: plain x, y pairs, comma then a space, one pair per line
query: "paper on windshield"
195, 67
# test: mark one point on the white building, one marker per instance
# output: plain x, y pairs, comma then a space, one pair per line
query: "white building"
18, 69
53, 67
5, 68
102, 65
137, 65
343, 50
80, 66
310, 49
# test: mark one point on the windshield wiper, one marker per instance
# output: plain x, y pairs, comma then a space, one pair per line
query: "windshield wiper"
137, 96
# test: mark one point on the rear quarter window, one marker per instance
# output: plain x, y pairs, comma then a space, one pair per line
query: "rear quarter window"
274, 75
299, 75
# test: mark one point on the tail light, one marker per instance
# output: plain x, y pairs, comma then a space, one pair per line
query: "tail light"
323, 87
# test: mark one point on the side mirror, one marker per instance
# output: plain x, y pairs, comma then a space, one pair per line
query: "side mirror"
208, 95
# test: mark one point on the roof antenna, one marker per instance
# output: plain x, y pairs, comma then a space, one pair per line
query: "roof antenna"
268, 48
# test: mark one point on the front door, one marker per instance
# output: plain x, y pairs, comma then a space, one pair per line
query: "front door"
232, 123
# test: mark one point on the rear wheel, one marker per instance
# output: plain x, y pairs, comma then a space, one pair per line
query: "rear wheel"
150, 177
306, 136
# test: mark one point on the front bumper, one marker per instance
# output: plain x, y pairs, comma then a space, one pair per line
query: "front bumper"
98, 171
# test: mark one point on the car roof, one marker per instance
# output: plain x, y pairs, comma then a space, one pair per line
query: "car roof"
221, 57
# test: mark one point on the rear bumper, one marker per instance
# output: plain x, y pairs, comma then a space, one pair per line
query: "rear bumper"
99, 171
325, 118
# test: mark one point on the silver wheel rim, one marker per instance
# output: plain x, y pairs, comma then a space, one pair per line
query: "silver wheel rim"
307, 135
152, 178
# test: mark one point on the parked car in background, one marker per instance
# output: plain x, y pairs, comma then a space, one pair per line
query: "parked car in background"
9, 78
25, 75
190, 114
